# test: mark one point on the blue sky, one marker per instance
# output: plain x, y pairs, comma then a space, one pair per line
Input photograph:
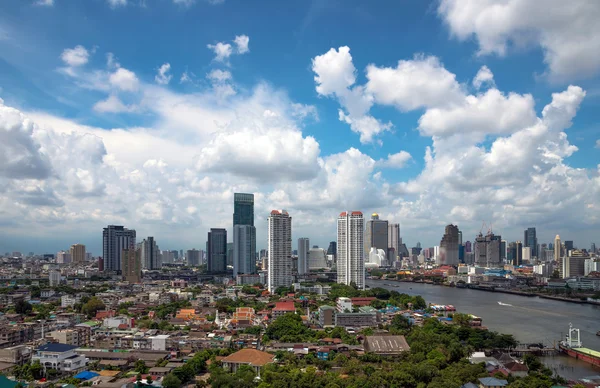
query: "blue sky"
191, 186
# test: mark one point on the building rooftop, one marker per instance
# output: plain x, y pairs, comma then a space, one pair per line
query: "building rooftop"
492, 382
386, 344
285, 306
250, 356
55, 348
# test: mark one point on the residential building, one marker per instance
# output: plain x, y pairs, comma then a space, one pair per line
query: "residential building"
530, 240
193, 257
573, 264
63, 257
150, 254
131, 265
568, 246
317, 258
591, 265
282, 308
77, 253
244, 249
449, 246
332, 249
350, 246
518, 258
394, 239
167, 257
376, 234
365, 317
487, 250
344, 304
217, 250
527, 255
61, 357
115, 238
303, 247
327, 316
557, 248
54, 278
279, 239
66, 336
18, 355
251, 357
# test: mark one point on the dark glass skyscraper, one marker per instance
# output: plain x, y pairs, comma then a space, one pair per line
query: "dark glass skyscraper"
530, 241
243, 209
116, 238
217, 250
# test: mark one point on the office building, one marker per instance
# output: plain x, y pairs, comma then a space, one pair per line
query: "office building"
243, 209
593, 248
317, 258
530, 240
244, 250
394, 239
332, 249
115, 239
193, 257
518, 259
63, 257
376, 234
526, 254
229, 260
150, 254
217, 250
77, 253
487, 250
568, 246
54, 278
503, 250
131, 265
591, 265
468, 247
448, 252
303, 247
573, 264
167, 257
557, 249
350, 246
279, 238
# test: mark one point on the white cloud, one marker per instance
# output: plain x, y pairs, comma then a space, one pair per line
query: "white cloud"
117, 3
162, 77
45, 3
241, 42
222, 51
76, 56
397, 160
484, 77
113, 104
185, 3
219, 75
418, 83
124, 79
598, 143
567, 32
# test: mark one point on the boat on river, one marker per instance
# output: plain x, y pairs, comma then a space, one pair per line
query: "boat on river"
572, 347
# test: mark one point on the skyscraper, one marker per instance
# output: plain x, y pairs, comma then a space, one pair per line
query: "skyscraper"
468, 247
531, 241
243, 209
244, 252
150, 254
78, 253
217, 250
518, 259
193, 257
303, 247
115, 238
502, 250
557, 248
350, 245
376, 234
131, 265
487, 250
332, 249
279, 237
593, 248
449, 246
394, 239
568, 246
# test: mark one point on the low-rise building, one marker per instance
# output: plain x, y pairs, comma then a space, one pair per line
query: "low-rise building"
251, 357
327, 316
60, 357
282, 308
386, 345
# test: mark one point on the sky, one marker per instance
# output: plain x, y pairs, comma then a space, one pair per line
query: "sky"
152, 113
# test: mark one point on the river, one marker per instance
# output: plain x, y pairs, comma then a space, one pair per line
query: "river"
529, 319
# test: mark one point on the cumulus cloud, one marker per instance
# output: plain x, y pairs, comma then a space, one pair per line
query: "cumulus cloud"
224, 50
483, 77
76, 56
116, 3
162, 77
567, 32
124, 79
397, 160
113, 104
241, 42
45, 3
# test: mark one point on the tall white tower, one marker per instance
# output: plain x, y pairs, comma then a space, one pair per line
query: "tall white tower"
280, 250
350, 249
557, 248
303, 248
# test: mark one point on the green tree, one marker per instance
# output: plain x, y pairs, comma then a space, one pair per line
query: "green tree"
171, 381
140, 366
92, 306
23, 307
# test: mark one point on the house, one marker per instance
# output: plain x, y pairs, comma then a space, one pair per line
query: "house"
282, 308
61, 357
252, 357
517, 369
386, 345
492, 382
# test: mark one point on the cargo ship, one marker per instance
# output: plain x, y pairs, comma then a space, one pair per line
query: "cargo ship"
572, 347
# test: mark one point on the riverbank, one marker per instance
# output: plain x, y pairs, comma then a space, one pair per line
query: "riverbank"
500, 290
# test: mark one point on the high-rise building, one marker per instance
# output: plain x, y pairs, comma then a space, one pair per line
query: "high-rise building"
63, 257
230, 248
115, 238
468, 247
593, 248
279, 237
557, 248
243, 209
217, 250
460, 240
131, 265
518, 259
332, 249
175, 255
530, 240
568, 246
244, 249
350, 245
193, 257
511, 253
573, 264
526, 254
150, 254
54, 278
317, 258
394, 239
502, 250
448, 254
487, 250
167, 257
303, 247
78, 253
376, 234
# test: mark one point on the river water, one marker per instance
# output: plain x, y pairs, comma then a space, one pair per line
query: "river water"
529, 319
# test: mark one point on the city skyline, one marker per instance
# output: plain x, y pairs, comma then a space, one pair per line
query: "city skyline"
314, 109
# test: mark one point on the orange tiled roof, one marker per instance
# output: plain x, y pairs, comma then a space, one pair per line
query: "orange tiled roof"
250, 356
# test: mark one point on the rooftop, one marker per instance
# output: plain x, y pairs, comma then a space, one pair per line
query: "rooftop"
250, 356
387, 344
55, 348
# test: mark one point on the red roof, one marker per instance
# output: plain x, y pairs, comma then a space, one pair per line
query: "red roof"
356, 213
285, 306
343, 214
275, 212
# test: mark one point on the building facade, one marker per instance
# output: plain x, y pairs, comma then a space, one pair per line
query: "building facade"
115, 238
449, 246
394, 239
244, 249
131, 265
557, 248
487, 250
530, 240
279, 250
77, 253
303, 248
217, 250
376, 234
350, 246
193, 257
151, 257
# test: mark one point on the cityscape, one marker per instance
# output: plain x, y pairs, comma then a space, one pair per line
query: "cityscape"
306, 194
